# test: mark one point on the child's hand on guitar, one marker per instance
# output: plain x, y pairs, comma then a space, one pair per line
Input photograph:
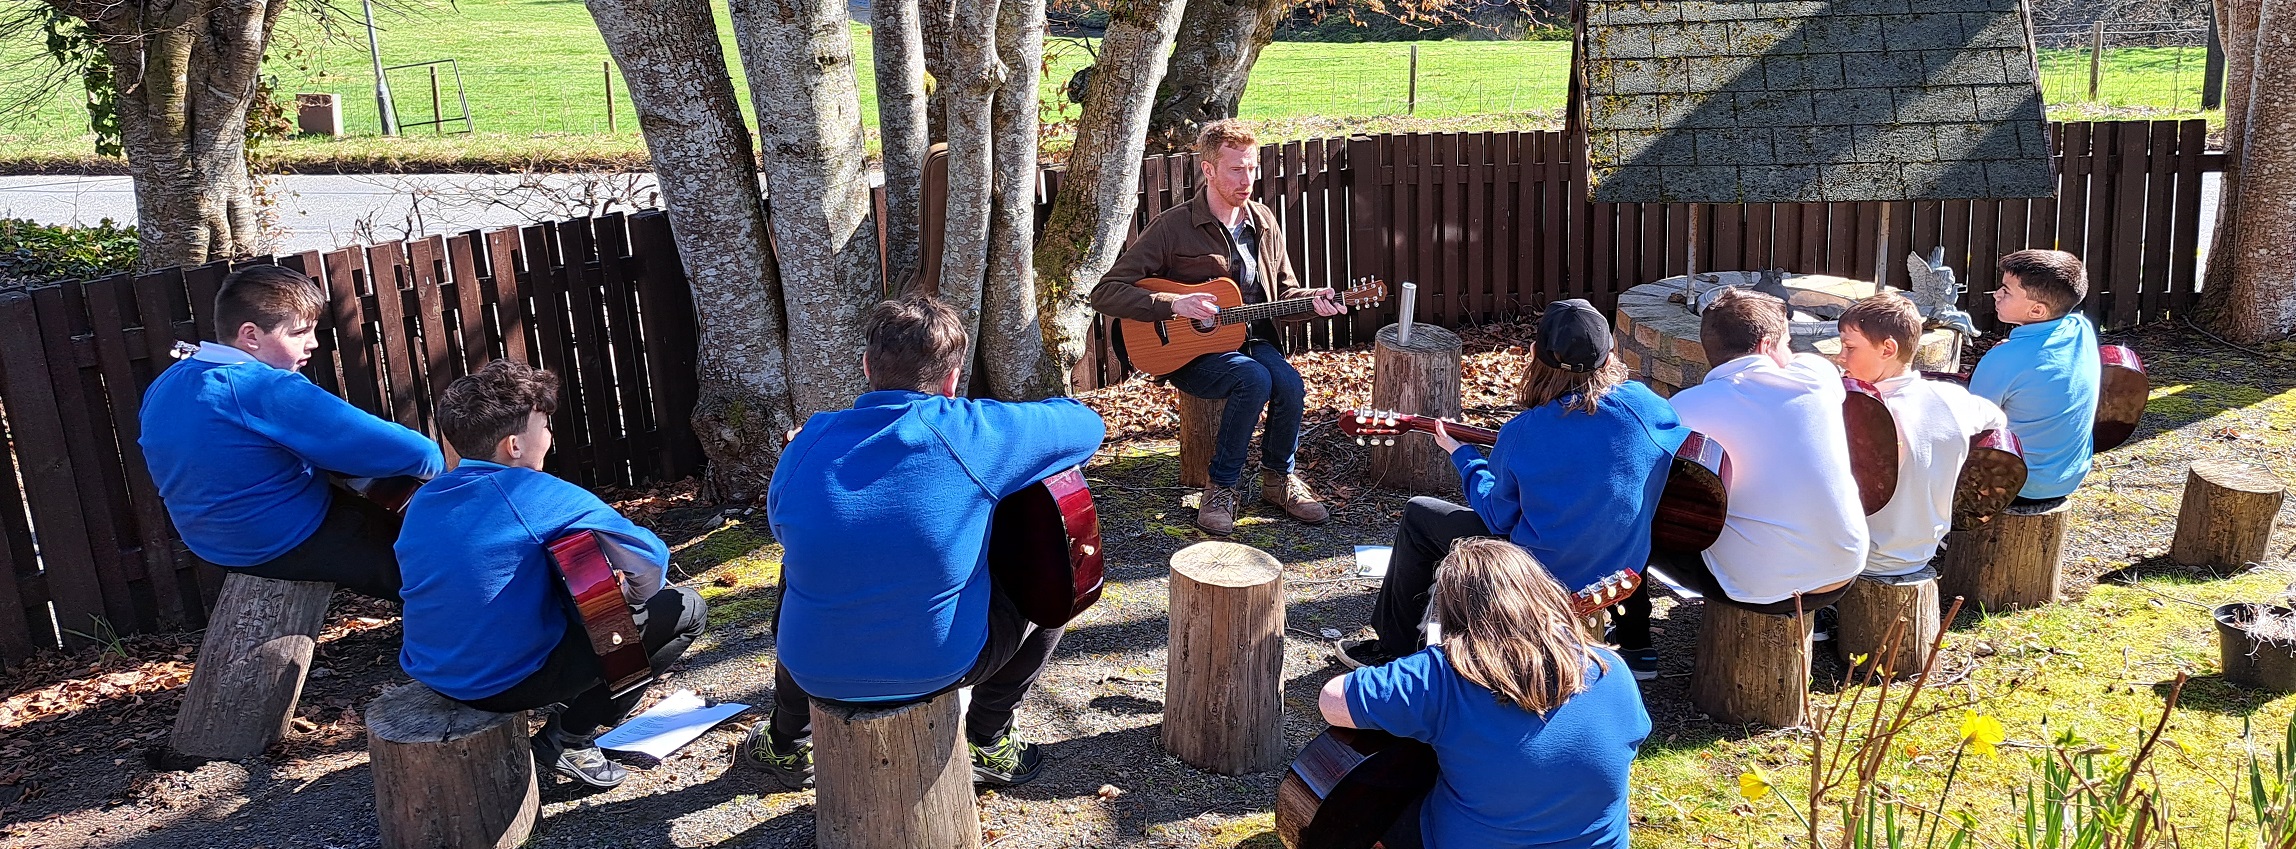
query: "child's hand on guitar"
1443, 438
1327, 302
1199, 306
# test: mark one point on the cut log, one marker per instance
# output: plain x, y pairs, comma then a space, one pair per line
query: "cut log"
448, 775
2227, 515
2011, 562
1420, 379
250, 666
1223, 679
1873, 607
1751, 667
1199, 437
893, 778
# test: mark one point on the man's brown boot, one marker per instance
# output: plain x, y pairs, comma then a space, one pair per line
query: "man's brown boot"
1216, 513
1292, 494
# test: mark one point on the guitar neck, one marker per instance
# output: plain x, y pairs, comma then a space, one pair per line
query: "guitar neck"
1464, 433
1255, 312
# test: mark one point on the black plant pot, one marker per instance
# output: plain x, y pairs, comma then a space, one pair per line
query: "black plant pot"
2251, 660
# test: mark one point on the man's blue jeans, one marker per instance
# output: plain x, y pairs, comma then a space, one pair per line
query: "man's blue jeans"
1255, 378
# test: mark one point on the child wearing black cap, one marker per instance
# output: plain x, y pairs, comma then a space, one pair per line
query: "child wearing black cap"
1574, 478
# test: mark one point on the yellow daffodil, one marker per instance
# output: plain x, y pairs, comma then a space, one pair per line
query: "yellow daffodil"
1753, 785
1982, 733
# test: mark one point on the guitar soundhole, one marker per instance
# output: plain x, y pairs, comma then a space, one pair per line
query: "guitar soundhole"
1204, 325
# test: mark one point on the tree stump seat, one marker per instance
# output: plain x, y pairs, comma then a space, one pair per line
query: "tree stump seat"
448, 775
1223, 680
1751, 667
2226, 518
1199, 437
1876, 604
893, 777
2013, 561
251, 666
1420, 379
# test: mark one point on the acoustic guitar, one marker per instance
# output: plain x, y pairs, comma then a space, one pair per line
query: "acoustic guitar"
1992, 474
1873, 443
392, 493
2122, 390
1348, 786
1044, 549
587, 572
1162, 347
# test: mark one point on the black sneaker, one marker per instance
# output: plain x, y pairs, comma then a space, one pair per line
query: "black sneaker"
1007, 762
1642, 662
590, 766
1362, 654
789, 763
1826, 622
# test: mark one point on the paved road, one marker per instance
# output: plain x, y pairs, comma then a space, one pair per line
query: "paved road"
324, 212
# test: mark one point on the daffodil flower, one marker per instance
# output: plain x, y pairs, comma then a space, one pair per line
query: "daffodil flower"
1982, 733
1753, 785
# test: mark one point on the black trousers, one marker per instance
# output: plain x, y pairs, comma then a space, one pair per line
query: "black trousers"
572, 676
1430, 526
1016, 653
1632, 624
351, 549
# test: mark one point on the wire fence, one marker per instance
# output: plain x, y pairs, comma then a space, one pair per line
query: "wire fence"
2150, 64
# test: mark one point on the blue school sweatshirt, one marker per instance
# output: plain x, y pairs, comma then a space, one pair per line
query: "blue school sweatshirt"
883, 513
240, 451
2045, 376
484, 606
1507, 778
1578, 490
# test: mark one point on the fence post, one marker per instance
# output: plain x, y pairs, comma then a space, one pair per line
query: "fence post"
2096, 58
607, 68
2212, 79
1411, 106
437, 106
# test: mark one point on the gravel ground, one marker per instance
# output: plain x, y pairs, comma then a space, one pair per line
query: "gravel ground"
85, 777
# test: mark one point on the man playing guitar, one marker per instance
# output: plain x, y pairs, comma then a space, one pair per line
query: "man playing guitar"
883, 513
1223, 233
1574, 478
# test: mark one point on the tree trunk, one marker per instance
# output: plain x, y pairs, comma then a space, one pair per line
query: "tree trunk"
250, 667
1218, 42
2236, 28
936, 19
898, 39
1012, 339
186, 74
1223, 680
799, 59
970, 92
2227, 515
1420, 378
1101, 190
2260, 299
670, 57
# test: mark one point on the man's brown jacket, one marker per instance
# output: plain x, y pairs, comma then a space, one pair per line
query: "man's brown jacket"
1189, 244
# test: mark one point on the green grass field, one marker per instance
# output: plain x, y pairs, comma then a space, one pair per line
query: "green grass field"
541, 96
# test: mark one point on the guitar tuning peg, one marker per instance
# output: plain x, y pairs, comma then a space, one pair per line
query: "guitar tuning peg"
1391, 441
1359, 441
1359, 419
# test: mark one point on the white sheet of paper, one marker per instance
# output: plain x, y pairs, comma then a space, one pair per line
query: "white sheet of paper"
1371, 560
668, 725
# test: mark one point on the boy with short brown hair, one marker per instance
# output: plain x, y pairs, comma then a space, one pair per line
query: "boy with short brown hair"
240, 446
2045, 375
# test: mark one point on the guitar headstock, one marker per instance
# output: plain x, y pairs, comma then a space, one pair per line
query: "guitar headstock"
1373, 427
1365, 292
1609, 590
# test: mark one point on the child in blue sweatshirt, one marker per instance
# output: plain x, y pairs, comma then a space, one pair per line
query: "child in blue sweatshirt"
1575, 478
488, 621
883, 514
240, 446
2046, 374
1533, 726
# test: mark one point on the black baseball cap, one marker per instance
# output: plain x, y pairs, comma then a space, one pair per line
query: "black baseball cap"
1573, 336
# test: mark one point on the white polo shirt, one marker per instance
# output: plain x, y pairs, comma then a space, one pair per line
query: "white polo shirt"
1795, 523
1935, 420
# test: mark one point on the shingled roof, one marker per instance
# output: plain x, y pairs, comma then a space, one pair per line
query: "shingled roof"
1738, 101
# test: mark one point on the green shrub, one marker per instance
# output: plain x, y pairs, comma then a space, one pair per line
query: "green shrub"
35, 252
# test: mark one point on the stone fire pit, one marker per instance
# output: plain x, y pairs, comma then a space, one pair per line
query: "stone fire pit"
1657, 336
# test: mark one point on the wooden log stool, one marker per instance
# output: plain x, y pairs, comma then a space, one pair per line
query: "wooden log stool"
1223, 684
1875, 605
1199, 438
1420, 379
1751, 667
2012, 561
893, 778
448, 775
2227, 515
251, 666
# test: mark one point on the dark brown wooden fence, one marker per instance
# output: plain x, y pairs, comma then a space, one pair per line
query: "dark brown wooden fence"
603, 302
1488, 224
